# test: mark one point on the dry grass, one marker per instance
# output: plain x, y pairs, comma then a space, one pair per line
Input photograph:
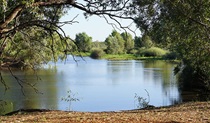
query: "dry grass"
197, 112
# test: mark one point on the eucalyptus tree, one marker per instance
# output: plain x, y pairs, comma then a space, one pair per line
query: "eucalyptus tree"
112, 45
128, 41
83, 42
115, 43
183, 26
120, 41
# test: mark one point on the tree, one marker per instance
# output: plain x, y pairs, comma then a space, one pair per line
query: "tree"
24, 15
146, 41
29, 34
83, 42
119, 40
128, 42
115, 43
98, 45
31, 51
137, 41
184, 26
19, 17
112, 45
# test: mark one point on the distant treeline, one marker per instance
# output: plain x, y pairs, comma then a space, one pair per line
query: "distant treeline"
119, 44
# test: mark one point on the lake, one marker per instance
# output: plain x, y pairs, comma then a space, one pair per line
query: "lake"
100, 85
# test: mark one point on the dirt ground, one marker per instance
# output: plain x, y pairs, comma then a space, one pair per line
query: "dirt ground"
194, 112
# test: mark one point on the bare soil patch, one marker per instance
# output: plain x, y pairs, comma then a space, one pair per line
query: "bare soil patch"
194, 112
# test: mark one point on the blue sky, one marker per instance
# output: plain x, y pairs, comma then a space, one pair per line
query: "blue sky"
94, 26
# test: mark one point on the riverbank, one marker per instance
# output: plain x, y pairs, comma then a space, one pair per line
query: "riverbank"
129, 57
118, 57
194, 112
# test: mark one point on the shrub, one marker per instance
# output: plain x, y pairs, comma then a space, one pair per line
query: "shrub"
153, 51
97, 53
171, 55
189, 78
133, 51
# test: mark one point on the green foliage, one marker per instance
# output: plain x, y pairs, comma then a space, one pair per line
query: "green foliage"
32, 37
138, 41
133, 51
152, 52
183, 26
171, 56
33, 50
128, 42
30, 14
119, 40
97, 53
146, 41
98, 45
114, 43
83, 42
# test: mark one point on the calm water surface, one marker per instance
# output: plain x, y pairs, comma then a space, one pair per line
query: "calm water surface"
100, 85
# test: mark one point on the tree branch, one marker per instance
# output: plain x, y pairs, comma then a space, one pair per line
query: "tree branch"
10, 17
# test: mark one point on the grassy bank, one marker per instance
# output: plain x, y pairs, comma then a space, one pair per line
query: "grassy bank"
119, 56
122, 56
129, 57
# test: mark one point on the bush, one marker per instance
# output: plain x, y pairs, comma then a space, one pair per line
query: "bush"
153, 51
171, 55
97, 53
189, 78
133, 51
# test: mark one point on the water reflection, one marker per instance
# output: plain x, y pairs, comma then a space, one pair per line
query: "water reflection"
101, 85
162, 73
27, 98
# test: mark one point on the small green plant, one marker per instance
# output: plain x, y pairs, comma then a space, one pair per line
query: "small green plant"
142, 102
70, 98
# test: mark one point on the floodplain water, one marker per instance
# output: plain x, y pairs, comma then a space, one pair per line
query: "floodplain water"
100, 85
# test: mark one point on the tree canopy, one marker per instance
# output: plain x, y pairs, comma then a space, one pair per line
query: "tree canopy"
20, 18
184, 26
83, 42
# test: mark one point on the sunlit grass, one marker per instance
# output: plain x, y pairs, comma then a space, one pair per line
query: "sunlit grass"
124, 56
129, 57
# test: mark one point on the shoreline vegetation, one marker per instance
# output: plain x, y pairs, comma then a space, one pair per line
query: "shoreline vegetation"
193, 112
118, 57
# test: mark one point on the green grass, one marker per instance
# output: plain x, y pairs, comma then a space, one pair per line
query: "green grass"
129, 57
158, 52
